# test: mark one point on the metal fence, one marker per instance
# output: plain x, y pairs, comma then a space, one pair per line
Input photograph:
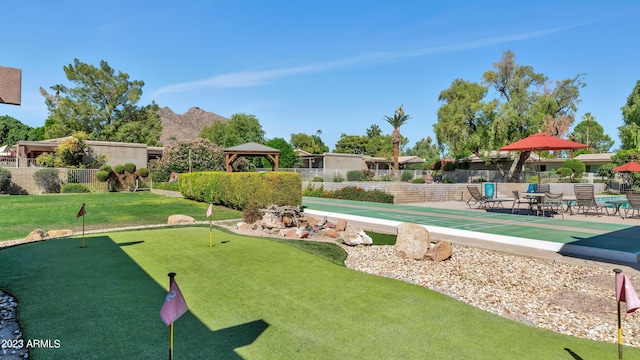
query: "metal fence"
86, 177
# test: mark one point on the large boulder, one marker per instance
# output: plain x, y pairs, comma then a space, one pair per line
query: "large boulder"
412, 242
270, 221
180, 219
60, 233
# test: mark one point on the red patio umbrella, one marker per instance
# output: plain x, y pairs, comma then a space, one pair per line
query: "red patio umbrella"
541, 141
631, 166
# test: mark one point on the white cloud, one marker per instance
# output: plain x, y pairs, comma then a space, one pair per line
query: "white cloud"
256, 78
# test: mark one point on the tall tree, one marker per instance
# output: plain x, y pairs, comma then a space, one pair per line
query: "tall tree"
629, 132
241, 128
101, 104
589, 132
524, 106
398, 119
351, 144
312, 144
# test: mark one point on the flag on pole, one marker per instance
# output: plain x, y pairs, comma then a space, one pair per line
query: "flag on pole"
625, 292
174, 305
210, 210
82, 211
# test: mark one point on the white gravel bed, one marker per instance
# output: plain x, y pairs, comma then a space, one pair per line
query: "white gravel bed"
569, 299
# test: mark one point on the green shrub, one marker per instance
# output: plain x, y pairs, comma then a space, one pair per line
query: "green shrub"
130, 168
355, 175
406, 176
418, 181
310, 190
74, 188
606, 170
47, 180
317, 179
5, 179
102, 175
251, 214
119, 169
106, 168
563, 171
378, 196
144, 172
338, 178
448, 181
449, 166
386, 177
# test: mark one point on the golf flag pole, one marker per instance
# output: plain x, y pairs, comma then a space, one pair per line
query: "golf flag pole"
81, 213
209, 215
624, 292
174, 306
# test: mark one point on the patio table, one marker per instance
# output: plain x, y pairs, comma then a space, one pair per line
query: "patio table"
617, 203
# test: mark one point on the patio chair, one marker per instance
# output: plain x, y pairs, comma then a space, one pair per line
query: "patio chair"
586, 200
517, 201
476, 197
634, 203
483, 201
544, 188
551, 202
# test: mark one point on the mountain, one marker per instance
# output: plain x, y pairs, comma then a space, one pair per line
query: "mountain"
184, 127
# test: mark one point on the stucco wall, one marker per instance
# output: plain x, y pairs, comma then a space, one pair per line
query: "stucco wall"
119, 153
22, 180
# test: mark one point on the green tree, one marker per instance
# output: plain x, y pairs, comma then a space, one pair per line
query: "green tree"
426, 149
589, 132
312, 144
241, 128
101, 104
373, 131
629, 133
352, 144
398, 119
12, 131
197, 155
525, 105
287, 158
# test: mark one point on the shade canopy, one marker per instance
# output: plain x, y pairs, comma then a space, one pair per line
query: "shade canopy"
542, 141
631, 166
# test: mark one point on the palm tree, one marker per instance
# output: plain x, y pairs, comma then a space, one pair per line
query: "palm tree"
398, 119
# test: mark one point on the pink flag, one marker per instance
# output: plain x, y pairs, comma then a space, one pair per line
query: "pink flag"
174, 305
625, 292
210, 210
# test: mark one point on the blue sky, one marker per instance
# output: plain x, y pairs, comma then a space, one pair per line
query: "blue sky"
333, 66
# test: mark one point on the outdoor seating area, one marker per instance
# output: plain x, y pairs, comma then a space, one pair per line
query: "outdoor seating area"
482, 201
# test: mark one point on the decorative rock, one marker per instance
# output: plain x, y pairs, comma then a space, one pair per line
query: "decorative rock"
412, 241
60, 233
180, 219
37, 234
331, 233
270, 221
287, 221
440, 251
360, 238
302, 233
313, 221
341, 225
246, 226
290, 233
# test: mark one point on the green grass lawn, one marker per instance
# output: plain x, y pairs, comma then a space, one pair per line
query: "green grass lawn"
19, 215
249, 298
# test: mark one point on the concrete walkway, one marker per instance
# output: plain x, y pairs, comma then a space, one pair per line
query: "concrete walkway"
578, 238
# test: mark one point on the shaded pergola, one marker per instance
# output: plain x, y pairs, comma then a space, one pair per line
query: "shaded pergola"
251, 149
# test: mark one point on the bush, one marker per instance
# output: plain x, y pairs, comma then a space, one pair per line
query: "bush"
119, 169
251, 214
317, 179
314, 192
564, 172
406, 176
418, 181
449, 166
144, 172
355, 175
448, 181
386, 177
106, 168
130, 168
5, 179
74, 188
47, 180
338, 178
102, 175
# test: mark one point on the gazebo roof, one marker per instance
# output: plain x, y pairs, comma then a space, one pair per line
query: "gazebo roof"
252, 147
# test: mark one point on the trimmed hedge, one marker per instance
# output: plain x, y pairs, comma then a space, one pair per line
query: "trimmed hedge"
240, 189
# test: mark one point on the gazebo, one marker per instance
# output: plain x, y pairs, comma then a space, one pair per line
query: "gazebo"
251, 149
